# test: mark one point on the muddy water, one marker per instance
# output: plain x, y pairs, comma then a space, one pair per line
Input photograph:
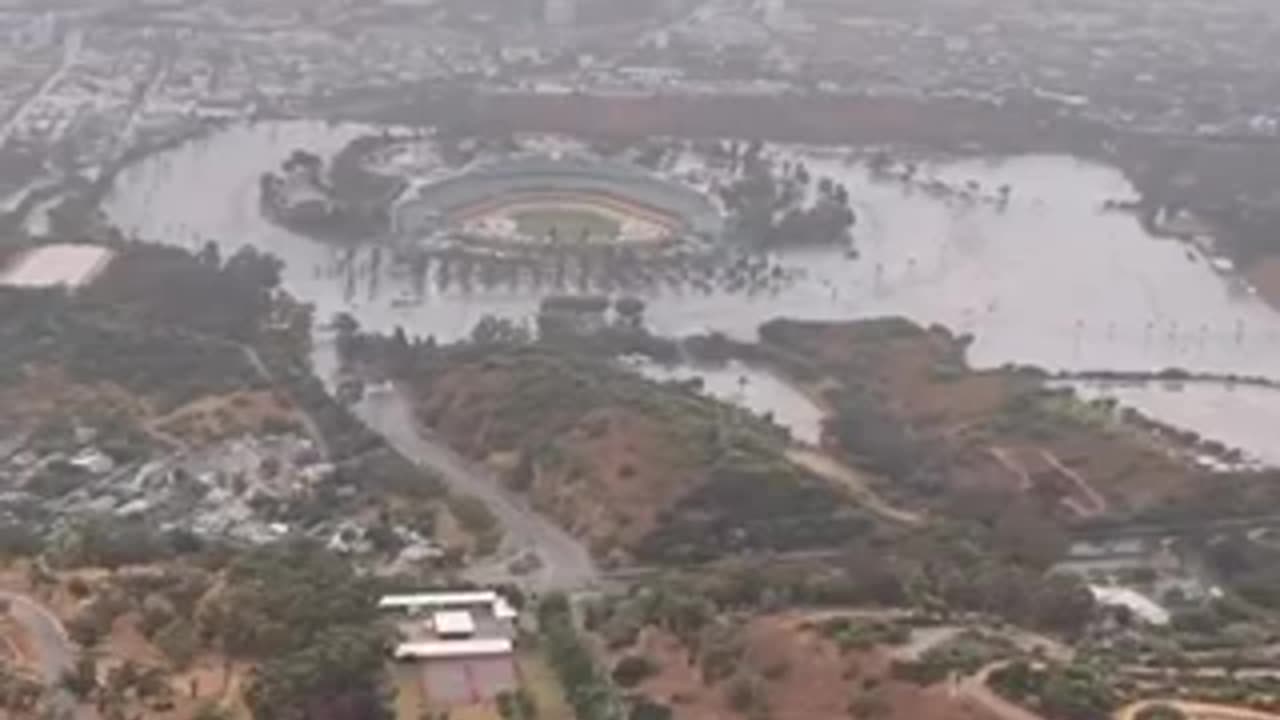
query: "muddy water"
1051, 280
757, 390
1240, 417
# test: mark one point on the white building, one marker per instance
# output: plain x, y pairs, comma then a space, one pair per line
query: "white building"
1141, 606
458, 625
436, 601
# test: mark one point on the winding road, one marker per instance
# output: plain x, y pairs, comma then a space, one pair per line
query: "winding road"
565, 562
57, 654
1199, 711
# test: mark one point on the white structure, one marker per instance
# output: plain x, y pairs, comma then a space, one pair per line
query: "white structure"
454, 649
459, 625
60, 265
433, 602
453, 624
1142, 607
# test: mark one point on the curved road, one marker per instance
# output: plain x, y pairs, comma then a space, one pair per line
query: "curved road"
57, 652
1199, 711
566, 563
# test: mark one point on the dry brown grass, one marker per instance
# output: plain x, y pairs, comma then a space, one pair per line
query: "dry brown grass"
801, 676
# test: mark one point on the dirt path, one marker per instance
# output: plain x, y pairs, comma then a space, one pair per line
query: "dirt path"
834, 471
975, 688
1096, 499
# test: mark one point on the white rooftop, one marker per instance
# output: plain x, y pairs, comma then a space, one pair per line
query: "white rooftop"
441, 649
1140, 605
59, 265
453, 622
438, 600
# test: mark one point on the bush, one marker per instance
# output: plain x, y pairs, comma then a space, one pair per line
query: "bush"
472, 514
178, 642
1160, 711
648, 710
744, 693
633, 670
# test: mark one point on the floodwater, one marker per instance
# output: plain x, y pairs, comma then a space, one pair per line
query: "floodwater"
1051, 280
1238, 416
753, 388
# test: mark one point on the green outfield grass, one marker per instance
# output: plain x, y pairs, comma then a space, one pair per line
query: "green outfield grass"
569, 224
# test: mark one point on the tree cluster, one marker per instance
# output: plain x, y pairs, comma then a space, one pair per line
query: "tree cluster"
588, 690
311, 627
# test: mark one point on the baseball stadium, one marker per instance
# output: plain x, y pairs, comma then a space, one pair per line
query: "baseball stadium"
542, 201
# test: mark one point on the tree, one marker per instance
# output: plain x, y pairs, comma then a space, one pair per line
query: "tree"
211, 711
82, 679
645, 709
630, 312
493, 330
1160, 711
210, 256
1064, 604
633, 670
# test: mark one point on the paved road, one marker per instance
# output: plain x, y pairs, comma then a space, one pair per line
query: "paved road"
1199, 711
566, 563
57, 652
70, 50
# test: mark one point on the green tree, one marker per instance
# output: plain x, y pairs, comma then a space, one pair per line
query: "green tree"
1160, 711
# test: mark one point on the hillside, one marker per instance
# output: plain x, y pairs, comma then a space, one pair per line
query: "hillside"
647, 471
908, 406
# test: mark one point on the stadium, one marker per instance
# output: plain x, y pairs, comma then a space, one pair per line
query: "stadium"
543, 202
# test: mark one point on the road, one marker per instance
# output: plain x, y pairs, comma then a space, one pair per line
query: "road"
308, 421
57, 652
566, 563
1198, 711
70, 51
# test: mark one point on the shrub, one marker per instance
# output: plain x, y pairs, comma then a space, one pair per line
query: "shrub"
633, 670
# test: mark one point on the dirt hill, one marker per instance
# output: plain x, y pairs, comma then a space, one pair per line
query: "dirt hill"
638, 468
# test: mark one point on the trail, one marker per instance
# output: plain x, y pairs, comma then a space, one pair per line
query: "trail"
975, 688
836, 472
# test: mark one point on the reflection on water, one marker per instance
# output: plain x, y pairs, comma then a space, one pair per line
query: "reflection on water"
758, 390
1051, 280
1240, 417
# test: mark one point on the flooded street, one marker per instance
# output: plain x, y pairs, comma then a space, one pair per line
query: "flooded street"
1052, 280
